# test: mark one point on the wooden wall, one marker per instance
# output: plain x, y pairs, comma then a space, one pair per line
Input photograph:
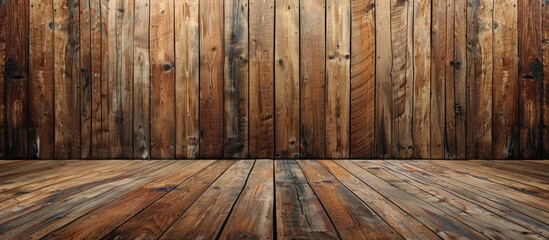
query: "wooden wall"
274, 79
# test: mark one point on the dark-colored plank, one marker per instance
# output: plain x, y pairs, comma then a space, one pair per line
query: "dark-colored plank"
236, 79
16, 77
211, 78
67, 78
300, 215
85, 74
545, 93
351, 217
459, 63
96, 35
313, 78
2, 80
362, 78
41, 81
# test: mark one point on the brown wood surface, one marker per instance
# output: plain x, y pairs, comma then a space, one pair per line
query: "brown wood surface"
236, 81
41, 81
427, 79
211, 78
287, 70
228, 199
187, 92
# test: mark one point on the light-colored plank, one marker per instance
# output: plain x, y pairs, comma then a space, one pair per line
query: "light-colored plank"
313, 78
438, 77
187, 93
459, 63
338, 78
287, 79
236, 79
141, 82
363, 55
422, 81
211, 78
253, 213
163, 79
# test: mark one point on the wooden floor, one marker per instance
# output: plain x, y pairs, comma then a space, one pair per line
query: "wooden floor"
265, 199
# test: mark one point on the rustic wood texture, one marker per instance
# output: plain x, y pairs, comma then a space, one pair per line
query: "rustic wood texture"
261, 34
287, 79
236, 79
187, 93
266, 199
41, 81
211, 78
428, 79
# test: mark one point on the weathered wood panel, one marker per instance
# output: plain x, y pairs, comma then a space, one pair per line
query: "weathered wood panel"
186, 79
480, 70
41, 81
236, 79
505, 80
141, 82
287, 79
16, 77
363, 69
162, 79
281, 79
211, 78
313, 78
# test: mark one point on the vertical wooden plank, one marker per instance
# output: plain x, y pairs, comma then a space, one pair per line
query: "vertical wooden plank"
141, 82
211, 78
402, 77
261, 79
287, 79
505, 139
545, 60
186, 75
16, 77
450, 83
530, 77
97, 18
66, 73
459, 63
362, 78
41, 104
338, 78
422, 80
2, 79
163, 81
85, 79
312, 80
236, 79
120, 78
438, 77
480, 66
384, 92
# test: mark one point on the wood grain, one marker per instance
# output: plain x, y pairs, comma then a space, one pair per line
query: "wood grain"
287, 74
211, 78
187, 92
236, 81
3, 140
505, 80
261, 34
439, 55
141, 82
363, 68
312, 85
545, 60
85, 93
41, 81
162, 79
